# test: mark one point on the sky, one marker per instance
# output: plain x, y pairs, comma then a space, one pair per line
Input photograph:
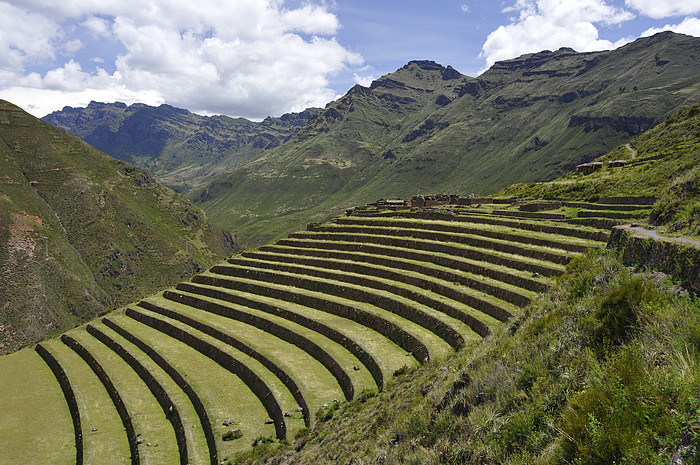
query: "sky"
258, 58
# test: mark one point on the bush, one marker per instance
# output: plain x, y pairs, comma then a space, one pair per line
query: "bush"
619, 311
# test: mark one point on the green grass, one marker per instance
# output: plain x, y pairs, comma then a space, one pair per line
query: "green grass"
388, 355
381, 283
277, 388
35, 424
196, 443
390, 291
315, 382
368, 258
108, 442
437, 347
602, 369
361, 379
224, 395
146, 414
464, 222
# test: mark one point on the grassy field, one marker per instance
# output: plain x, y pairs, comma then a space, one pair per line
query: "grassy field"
35, 425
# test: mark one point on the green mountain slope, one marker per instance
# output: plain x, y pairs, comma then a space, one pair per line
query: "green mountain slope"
601, 368
82, 232
427, 128
663, 162
181, 149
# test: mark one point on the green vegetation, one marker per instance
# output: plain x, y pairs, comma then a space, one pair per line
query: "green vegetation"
35, 420
602, 369
665, 165
82, 233
532, 118
181, 149
494, 333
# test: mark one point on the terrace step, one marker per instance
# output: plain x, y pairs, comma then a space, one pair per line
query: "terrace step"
32, 405
139, 410
336, 359
543, 253
379, 354
418, 290
287, 361
460, 286
520, 214
102, 430
543, 226
156, 381
412, 337
200, 445
519, 278
517, 262
501, 233
450, 321
223, 394
613, 214
270, 390
328, 346
609, 207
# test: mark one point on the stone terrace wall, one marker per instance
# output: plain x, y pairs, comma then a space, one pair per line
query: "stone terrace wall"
641, 247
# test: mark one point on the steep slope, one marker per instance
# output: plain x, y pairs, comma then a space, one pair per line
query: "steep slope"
428, 128
662, 162
82, 232
181, 149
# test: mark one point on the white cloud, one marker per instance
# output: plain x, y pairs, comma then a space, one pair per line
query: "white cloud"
364, 81
25, 38
690, 26
465, 8
249, 58
665, 8
550, 25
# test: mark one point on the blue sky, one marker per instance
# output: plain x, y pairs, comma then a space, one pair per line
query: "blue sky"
255, 58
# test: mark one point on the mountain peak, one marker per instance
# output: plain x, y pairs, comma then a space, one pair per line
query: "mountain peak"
427, 65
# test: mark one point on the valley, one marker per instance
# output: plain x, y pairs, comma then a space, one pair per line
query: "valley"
292, 317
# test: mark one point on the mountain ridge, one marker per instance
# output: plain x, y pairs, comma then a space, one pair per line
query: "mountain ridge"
532, 118
180, 148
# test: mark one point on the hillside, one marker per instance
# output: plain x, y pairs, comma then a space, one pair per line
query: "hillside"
662, 163
82, 232
428, 128
440, 330
179, 148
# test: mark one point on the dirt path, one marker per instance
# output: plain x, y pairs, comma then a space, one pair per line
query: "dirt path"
632, 150
641, 232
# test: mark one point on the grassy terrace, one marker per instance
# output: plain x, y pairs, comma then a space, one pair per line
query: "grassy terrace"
150, 424
511, 260
412, 337
404, 304
423, 264
269, 389
333, 356
511, 231
316, 383
258, 346
483, 218
104, 438
388, 355
418, 290
35, 424
223, 394
193, 435
496, 269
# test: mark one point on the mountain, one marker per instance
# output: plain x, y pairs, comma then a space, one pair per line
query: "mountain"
181, 149
428, 128
82, 232
601, 368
